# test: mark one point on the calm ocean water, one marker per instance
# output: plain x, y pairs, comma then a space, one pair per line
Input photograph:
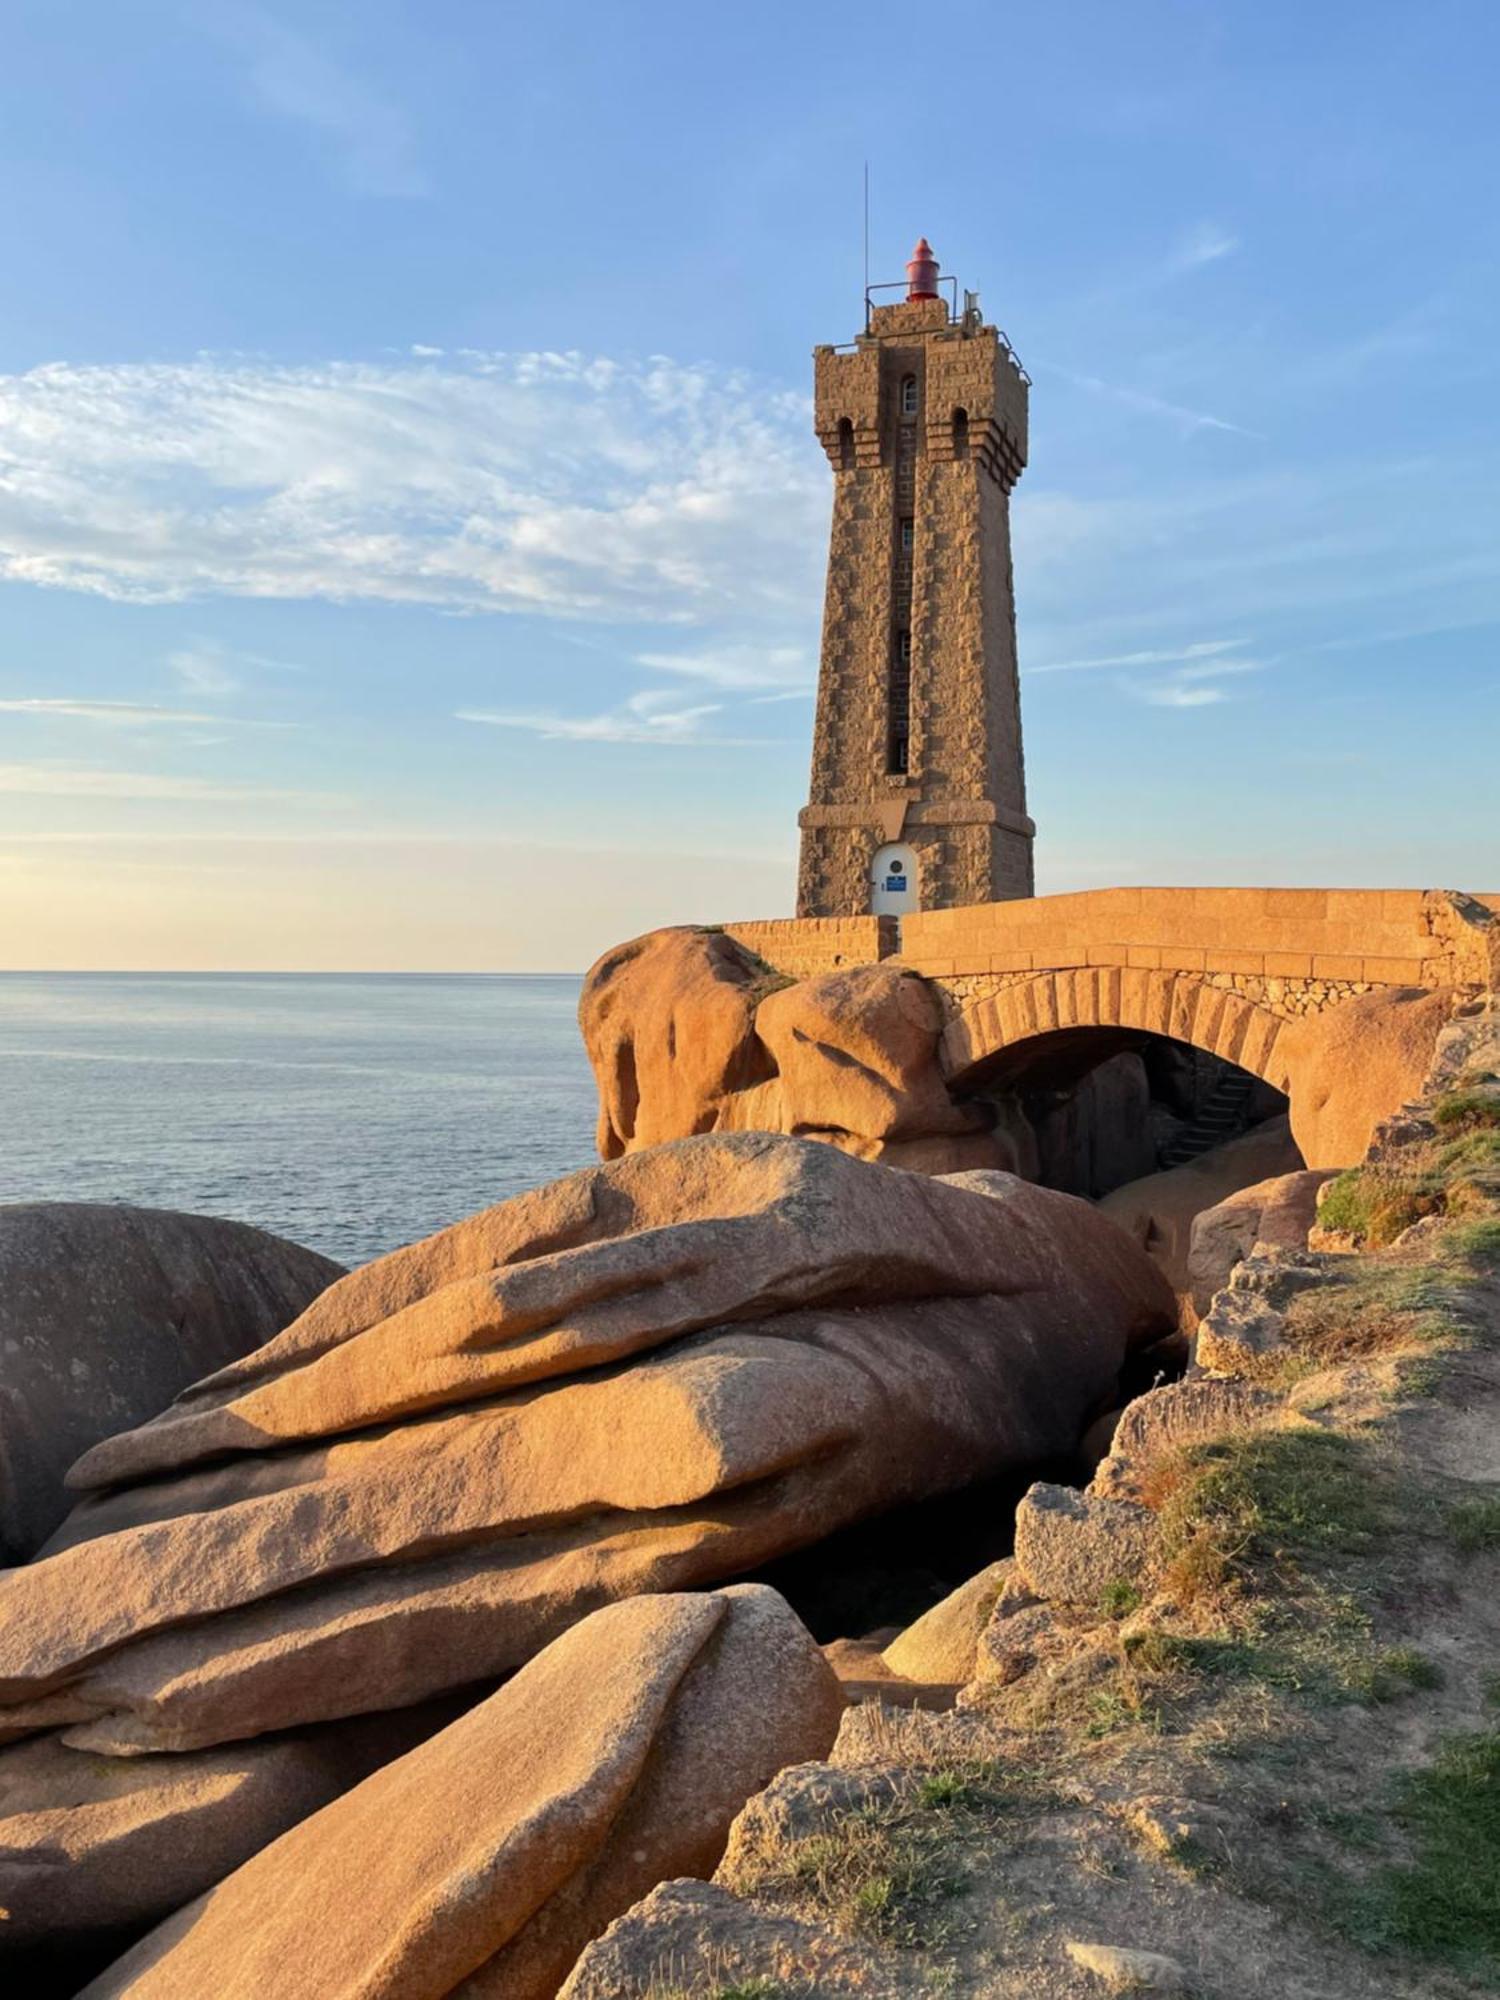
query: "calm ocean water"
351, 1113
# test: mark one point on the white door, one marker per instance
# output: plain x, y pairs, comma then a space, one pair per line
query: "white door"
893, 880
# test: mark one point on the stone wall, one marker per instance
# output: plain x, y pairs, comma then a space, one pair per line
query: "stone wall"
1362, 937
800, 947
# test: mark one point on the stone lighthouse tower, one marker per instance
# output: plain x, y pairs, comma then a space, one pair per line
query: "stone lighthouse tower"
918, 795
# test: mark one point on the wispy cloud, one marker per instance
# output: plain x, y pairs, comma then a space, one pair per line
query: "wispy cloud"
66, 781
205, 669
561, 485
645, 718
1195, 683
1191, 680
1189, 421
1177, 694
1202, 649
368, 137
738, 666
119, 714
1205, 243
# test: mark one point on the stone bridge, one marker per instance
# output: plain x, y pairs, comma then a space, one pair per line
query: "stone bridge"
1224, 970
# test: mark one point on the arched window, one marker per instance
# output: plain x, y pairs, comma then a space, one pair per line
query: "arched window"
960, 433
846, 445
908, 395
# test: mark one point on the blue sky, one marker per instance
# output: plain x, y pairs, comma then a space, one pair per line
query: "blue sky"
411, 536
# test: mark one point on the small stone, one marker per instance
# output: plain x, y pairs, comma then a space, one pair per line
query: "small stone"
1127, 1971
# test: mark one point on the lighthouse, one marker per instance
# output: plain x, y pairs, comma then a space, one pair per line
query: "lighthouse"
918, 791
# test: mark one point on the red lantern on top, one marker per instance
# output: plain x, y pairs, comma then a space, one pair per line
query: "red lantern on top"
922, 272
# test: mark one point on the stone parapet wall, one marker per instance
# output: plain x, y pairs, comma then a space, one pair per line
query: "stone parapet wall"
1346, 940
801, 947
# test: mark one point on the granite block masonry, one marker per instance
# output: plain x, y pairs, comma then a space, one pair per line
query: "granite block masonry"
918, 792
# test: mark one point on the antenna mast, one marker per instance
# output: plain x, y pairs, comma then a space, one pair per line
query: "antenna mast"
867, 232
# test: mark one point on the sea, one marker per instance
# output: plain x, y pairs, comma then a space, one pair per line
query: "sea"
349, 1112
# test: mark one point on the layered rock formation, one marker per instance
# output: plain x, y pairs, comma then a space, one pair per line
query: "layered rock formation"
481, 1863
653, 1374
105, 1313
93, 1849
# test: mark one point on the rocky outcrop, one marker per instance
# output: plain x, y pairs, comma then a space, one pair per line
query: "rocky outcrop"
446, 1461
1355, 1065
668, 1021
1159, 1211
487, 1858
688, 1033
105, 1313
1278, 1212
692, 1937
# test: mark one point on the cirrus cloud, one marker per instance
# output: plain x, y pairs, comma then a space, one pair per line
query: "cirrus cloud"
560, 485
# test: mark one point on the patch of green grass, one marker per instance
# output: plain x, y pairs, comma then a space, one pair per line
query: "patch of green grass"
1119, 1598
887, 1871
1475, 1243
1474, 1525
1406, 1667
750, 1989
1442, 1904
1466, 1110
1269, 1498
958, 1785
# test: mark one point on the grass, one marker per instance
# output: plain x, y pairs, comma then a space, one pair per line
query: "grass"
1120, 1598
1466, 1110
891, 1871
1268, 1499
1454, 1175
1443, 1902
1382, 1307
1474, 1525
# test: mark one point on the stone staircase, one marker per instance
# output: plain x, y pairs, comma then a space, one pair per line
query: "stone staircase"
1222, 1117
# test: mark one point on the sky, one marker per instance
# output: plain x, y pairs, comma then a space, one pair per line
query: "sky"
411, 530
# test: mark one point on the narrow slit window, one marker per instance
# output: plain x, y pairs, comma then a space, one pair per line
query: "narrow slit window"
908, 534
846, 445
960, 433
898, 720
908, 395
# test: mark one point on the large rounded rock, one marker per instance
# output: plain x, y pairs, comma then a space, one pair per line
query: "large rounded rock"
486, 1859
668, 1023
105, 1313
688, 1033
856, 1054
1357, 1064
447, 1460
1159, 1210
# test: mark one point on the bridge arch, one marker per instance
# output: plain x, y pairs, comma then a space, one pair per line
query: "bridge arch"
1003, 1031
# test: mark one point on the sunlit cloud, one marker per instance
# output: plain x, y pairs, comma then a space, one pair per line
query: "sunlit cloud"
646, 718
564, 486
737, 666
